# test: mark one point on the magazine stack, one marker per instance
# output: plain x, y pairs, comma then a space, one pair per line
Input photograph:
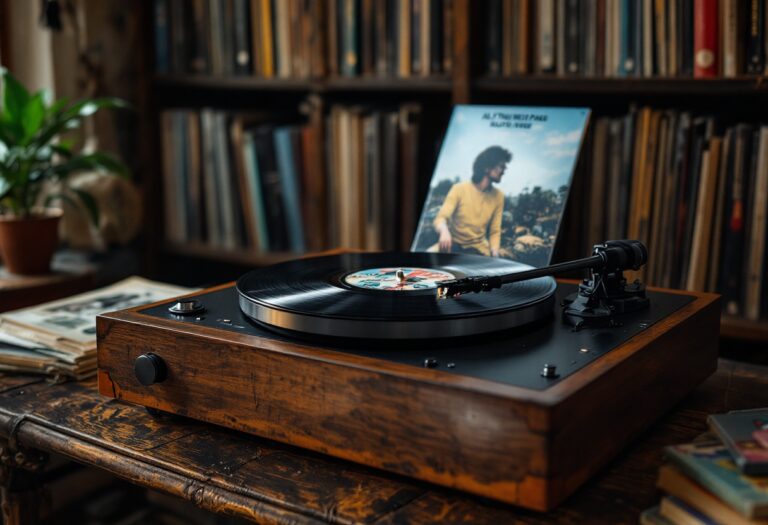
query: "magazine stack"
720, 479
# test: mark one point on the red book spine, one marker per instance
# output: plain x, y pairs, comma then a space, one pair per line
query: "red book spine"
705, 38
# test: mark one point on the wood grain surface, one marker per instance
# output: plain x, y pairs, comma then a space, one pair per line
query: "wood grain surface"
266, 482
517, 445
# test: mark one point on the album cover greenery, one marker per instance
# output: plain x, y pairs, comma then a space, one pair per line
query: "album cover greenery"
501, 182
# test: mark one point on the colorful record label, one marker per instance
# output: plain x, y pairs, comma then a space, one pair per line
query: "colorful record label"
397, 279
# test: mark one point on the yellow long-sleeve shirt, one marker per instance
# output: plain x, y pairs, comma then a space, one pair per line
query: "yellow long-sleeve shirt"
471, 215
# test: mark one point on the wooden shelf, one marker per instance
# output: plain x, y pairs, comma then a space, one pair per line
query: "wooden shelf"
237, 256
442, 83
551, 84
238, 83
743, 329
326, 85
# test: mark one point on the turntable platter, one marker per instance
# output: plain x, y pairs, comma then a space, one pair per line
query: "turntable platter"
389, 296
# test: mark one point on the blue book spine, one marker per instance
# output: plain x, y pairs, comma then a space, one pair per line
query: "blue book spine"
350, 65
253, 179
162, 52
627, 39
289, 176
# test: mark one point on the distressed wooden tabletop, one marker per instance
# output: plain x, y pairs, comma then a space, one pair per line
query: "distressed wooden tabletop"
236, 474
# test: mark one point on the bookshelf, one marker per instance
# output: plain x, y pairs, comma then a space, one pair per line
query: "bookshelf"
741, 97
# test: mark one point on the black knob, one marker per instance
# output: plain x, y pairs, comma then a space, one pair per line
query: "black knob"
150, 369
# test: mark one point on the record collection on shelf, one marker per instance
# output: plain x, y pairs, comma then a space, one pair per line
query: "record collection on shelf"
304, 38
642, 38
238, 64
695, 192
245, 183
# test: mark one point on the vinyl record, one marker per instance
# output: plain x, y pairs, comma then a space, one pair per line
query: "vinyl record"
390, 296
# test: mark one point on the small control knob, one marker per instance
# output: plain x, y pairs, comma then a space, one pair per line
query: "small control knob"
150, 369
186, 307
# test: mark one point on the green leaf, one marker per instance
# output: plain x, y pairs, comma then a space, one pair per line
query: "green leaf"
57, 107
106, 162
15, 98
5, 187
33, 115
93, 161
90, 204
87, 107
63, 148
53, 197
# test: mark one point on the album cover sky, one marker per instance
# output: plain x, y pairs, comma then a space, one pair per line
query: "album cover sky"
501, 182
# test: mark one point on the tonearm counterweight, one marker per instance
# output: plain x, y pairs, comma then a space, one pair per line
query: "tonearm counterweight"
601, 296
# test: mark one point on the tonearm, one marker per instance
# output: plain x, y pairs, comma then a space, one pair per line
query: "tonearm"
601, 296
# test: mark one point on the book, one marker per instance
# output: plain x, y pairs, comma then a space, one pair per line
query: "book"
407, 183
675, 483
653, 516
545, 32
735, 430
710, 464
254, 192
404, 38
756, 254
471, 189
571, 38
242, 37
726, 159
195, 207
271, 188
162, 37
241, 165
199, 60
494, 42
731, 56
706, 38
755, 48
350, 38
289, 175
678, 512
702, 227
213, 222
730, 284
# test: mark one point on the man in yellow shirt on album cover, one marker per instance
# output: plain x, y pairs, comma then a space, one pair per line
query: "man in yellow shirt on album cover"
469, 220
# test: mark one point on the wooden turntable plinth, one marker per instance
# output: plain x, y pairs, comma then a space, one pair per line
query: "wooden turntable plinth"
522, 445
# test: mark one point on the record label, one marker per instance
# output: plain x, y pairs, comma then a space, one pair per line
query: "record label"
397, 279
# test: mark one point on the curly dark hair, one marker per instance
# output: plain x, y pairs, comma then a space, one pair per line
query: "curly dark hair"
488, 159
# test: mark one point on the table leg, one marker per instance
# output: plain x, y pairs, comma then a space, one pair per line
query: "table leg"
20, 484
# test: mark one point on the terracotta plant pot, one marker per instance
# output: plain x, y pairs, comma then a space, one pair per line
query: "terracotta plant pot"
27, 244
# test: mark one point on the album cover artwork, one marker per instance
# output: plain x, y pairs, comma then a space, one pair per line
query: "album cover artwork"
501, 182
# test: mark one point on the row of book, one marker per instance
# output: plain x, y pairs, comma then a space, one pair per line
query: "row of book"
721, 478
627, 38
694, 191
243, 182
304, 38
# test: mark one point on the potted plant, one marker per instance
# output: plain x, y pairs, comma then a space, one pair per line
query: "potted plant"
33, 156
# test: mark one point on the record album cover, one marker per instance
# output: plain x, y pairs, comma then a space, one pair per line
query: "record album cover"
501, 182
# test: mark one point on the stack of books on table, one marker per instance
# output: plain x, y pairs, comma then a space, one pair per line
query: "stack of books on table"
721, 479
59, 338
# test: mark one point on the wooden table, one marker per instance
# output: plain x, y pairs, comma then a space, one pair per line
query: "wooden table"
240, 475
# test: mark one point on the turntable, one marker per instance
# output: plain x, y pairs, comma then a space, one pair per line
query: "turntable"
474, 373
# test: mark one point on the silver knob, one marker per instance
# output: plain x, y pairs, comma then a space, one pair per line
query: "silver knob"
186, 307
549, 371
